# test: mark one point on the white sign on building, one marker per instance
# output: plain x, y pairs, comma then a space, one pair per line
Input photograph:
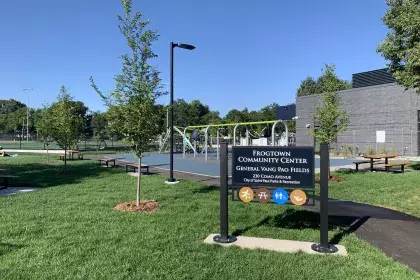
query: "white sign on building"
380, 136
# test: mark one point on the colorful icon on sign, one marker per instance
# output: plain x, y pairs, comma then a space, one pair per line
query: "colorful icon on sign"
246, 194
280, 196
298, 197
263, 195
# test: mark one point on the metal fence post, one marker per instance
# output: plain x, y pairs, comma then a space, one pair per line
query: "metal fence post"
224, 213
323, 246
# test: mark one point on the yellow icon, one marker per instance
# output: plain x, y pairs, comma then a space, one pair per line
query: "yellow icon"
246, 194
298, 197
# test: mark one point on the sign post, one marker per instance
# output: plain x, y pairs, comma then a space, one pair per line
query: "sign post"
323, 246
224, 212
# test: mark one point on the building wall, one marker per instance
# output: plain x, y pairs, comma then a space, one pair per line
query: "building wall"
386, 107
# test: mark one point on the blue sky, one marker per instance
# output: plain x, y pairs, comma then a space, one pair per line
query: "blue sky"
249, 53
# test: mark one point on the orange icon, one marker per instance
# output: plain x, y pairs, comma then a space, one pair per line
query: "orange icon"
246, 194
263, 195
298, 197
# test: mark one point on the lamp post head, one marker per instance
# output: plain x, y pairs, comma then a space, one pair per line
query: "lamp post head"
185, 46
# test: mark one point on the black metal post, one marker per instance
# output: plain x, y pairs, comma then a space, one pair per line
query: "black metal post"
171, 117
224, 213
323, 246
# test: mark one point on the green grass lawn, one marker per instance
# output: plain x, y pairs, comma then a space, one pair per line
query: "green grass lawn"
395, 191
69, 231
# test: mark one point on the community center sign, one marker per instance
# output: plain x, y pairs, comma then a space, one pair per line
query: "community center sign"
273, 166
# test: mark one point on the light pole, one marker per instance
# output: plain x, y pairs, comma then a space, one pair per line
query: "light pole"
167, 109
27, 114
171, 179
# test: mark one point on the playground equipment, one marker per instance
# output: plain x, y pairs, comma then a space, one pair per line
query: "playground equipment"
166, 138
235, 125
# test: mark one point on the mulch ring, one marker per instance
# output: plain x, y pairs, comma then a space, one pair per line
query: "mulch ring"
333, 178
144, 206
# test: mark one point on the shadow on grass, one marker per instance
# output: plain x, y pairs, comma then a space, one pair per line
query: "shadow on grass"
304, 219
42, 175
205, 189
8, 248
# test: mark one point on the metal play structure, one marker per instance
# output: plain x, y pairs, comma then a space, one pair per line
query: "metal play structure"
205, 128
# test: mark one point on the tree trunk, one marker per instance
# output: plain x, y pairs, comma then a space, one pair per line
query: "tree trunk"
48, 156
138, 184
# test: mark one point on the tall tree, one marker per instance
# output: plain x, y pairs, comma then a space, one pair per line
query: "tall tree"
66, 122
330, 120
137, 87
307, 87
310, 87
402, 44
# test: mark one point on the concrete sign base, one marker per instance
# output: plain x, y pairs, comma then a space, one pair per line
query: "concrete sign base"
284, 246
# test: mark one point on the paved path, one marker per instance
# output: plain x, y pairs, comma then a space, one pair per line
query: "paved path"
395, 233
16, 190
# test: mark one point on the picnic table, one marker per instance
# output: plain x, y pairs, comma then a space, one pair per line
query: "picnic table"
72, 153
372, 158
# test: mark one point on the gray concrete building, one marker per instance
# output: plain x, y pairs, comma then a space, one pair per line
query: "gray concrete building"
383, 112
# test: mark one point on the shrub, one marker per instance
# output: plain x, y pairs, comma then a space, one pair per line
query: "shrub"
369, 150
415, 166
382, 150
344, 151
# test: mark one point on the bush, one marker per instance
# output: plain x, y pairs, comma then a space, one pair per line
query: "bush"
382, 150
369, 150
415, 166
344, 151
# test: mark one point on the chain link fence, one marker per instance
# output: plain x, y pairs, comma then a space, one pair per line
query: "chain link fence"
34, 142
402, 141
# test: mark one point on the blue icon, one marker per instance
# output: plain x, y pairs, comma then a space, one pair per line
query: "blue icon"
280, 196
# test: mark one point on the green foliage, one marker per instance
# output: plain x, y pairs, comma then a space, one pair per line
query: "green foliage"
307, 87
328, 76
415, 166
330, 120
67, 123
344, 152
132, 112
382, 150
401, 46
369, 150
43, 125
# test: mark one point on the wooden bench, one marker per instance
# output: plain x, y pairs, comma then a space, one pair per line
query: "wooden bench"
80, 156
136, 166
365, 161
392, 164
106, 161
6, 180
62, 157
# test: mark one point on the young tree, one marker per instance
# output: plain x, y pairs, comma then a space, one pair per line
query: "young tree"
132, 102
99, 127
67, 123
329, 119
43, 127
402, 44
